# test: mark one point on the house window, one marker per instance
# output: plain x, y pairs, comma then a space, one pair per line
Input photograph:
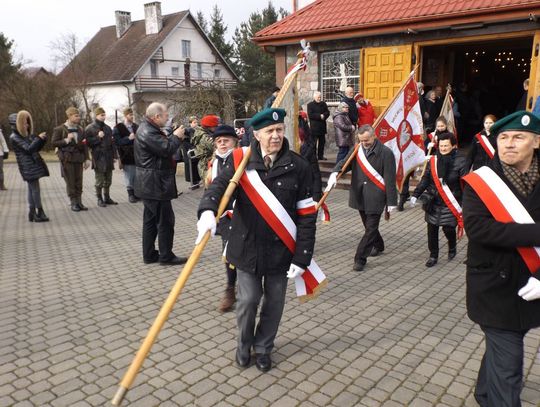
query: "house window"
175, 71
199, 70
339, 69
186, 49
153, 68
217, 73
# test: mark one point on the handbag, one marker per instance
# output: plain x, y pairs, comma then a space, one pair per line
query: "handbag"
426, 198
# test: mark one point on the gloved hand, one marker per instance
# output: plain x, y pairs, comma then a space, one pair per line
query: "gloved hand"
87, 164
295, 271
413, 201
332, 181
531, 290
430, 145
207, 222
391, 209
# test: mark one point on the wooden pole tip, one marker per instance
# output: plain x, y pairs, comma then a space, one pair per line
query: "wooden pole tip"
119, 396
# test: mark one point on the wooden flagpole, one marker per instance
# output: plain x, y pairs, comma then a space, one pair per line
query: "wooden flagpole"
377, 122
167, 307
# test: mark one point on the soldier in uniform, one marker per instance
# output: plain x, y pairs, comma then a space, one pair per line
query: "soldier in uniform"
262, 259
202, 140
501, 210
373, 188
101, 142
72, 151
124, 136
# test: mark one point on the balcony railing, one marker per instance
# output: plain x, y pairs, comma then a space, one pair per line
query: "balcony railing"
147, 83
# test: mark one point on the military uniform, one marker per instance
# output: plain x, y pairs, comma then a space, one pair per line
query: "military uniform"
261, 257
204, 149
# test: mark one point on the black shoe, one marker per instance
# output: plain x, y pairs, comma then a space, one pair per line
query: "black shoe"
242, 360
81, 206
132, 199
31, 214
375, 252
196, 186
263, 362
109, 201
75, 207
431, 262
400, 207
322, 158
150, 261
358, 266
174, 261
451, 254
101, 203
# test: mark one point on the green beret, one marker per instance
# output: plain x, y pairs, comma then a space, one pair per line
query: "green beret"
98, 111
267, 117
518, 121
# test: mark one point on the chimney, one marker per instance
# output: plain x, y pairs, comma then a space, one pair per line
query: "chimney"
294, 6
123, 22
153, 20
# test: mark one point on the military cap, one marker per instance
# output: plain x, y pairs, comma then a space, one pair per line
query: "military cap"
518, 121
98, 111
268, 117
71, 111
224, 130
127, 111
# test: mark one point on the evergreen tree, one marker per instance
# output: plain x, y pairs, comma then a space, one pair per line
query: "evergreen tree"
217, 33
7, 66
202, 21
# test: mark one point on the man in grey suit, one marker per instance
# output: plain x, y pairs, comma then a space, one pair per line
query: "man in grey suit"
373, 188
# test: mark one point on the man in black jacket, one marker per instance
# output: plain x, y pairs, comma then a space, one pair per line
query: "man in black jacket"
124, 137
318, 113
260, 256
155, 184
348, 98
100, 139
367, 196
503, 292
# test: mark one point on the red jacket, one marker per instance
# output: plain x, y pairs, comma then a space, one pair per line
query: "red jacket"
366, 114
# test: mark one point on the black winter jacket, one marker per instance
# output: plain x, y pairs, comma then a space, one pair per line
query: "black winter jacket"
31, 165
155, 175
477, 156
253, 246
309, 152
364, 195
495, 270
438, 213
123, 144
103, 149
314, 111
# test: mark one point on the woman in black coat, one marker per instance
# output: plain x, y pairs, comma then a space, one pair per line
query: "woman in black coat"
432, 111
26, 146
450, 167
477, 156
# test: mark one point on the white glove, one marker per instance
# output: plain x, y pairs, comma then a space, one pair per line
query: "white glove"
391, 209
87, 164
531, 290
413, 201
207, 222
295, 271
332, 181
430, 145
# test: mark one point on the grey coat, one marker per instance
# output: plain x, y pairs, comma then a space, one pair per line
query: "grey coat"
364, 194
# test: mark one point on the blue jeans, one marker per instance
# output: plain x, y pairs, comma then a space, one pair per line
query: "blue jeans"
342, 153
129, 176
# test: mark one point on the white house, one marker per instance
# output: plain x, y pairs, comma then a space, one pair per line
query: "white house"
138, 62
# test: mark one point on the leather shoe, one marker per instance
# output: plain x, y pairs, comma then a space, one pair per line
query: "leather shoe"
242, 360
173, 261
263, 362
82, 207
451, 254
431, 262
75, 207
358, 266
375, 252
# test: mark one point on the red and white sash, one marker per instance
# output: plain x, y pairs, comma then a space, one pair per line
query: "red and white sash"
486, 145
504, 206
276, 216
447, 196
368, 169
325, 213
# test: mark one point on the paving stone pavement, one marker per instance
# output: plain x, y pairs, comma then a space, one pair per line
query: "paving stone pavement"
76, 301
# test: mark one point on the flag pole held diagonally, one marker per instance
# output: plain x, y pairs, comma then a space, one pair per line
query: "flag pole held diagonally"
167, 307
377, 122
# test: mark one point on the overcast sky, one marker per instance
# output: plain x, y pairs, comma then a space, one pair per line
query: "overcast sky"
34, 24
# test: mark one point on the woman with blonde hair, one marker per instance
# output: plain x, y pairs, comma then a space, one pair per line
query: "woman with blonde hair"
26, 146
483, 146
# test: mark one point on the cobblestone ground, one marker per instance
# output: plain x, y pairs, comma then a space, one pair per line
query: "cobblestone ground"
76, 301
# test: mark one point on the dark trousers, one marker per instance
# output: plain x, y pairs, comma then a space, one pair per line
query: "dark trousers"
103, 179
158, 221
342, 153
404, 194
433, 239
501, 372
372, 237
73, 175
34, 194
320, 139
251, 288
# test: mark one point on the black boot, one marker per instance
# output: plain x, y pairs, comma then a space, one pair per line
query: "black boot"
80, 205
108, 199
100, 201
31, 214
40, 216
452, 253
131, 196
401, 204
75, 205
431, 262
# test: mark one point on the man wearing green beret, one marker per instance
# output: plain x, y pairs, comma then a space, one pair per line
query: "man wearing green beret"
501, 210
260, 255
